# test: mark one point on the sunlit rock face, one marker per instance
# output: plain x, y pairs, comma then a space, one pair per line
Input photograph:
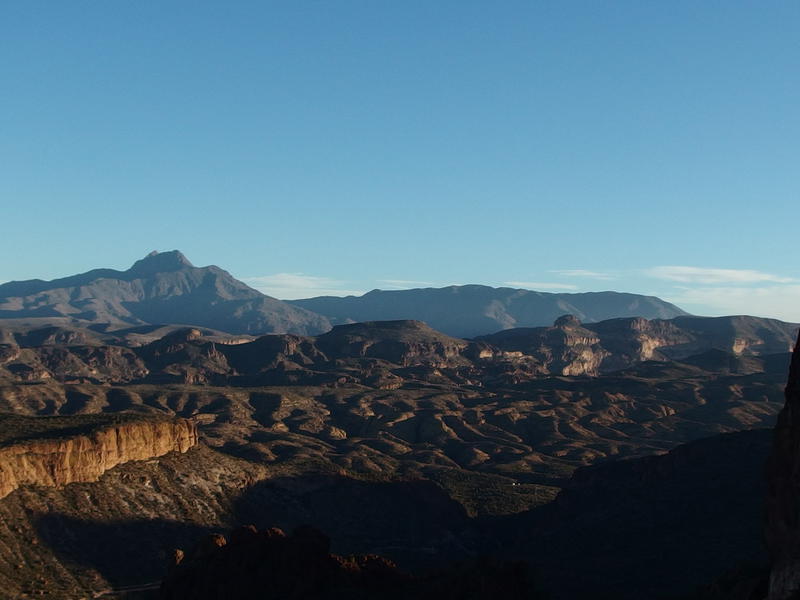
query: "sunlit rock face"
783, 501
84, 457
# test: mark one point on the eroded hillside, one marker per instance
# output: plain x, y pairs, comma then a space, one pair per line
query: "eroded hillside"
391, 437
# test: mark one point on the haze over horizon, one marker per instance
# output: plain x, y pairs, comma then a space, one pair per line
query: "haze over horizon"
314, 149
287, 286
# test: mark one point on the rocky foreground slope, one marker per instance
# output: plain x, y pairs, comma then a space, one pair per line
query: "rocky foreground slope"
655, 527
75, 541
659, 525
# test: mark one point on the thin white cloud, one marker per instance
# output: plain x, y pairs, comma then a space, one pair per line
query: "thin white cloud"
776, 301
404, 284
541, 285
292, 286
706, 276
583, 273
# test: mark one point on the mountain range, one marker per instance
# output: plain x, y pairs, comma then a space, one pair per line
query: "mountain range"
470, 310
166, 288
160, 288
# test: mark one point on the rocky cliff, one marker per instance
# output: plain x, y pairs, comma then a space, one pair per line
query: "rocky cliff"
574, 348
56, 451
783, 501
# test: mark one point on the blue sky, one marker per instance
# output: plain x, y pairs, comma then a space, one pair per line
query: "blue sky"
336, 147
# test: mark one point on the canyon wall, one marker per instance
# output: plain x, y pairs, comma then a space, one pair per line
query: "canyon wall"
85, 457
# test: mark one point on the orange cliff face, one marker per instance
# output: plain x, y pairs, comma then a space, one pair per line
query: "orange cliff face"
84, 458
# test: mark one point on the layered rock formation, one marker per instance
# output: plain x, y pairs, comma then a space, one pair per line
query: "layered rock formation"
405, 343
574, 348
80, 540
57, 451
382, 354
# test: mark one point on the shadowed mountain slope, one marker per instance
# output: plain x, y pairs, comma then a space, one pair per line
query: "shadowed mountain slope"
160, 288
783, 500
652, 527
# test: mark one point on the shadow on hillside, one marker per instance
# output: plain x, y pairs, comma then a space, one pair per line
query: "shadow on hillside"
127, 552
414, 523
653, 527
642, 528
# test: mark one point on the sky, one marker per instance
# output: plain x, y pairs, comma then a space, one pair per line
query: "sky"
315, 148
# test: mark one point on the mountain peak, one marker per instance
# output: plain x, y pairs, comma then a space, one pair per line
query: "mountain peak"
158, 262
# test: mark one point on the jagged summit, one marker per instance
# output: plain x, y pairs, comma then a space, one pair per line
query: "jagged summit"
159, 262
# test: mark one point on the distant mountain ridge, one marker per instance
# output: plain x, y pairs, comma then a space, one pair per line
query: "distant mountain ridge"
167, 289
160, 288
471, 310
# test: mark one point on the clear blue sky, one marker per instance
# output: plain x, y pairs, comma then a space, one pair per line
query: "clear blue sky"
315, 147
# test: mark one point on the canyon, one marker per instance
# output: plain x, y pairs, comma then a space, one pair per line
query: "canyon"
392, 438
587, 457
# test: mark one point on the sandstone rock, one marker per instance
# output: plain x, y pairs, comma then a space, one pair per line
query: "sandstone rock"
175, 557
208, 546
64, 459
